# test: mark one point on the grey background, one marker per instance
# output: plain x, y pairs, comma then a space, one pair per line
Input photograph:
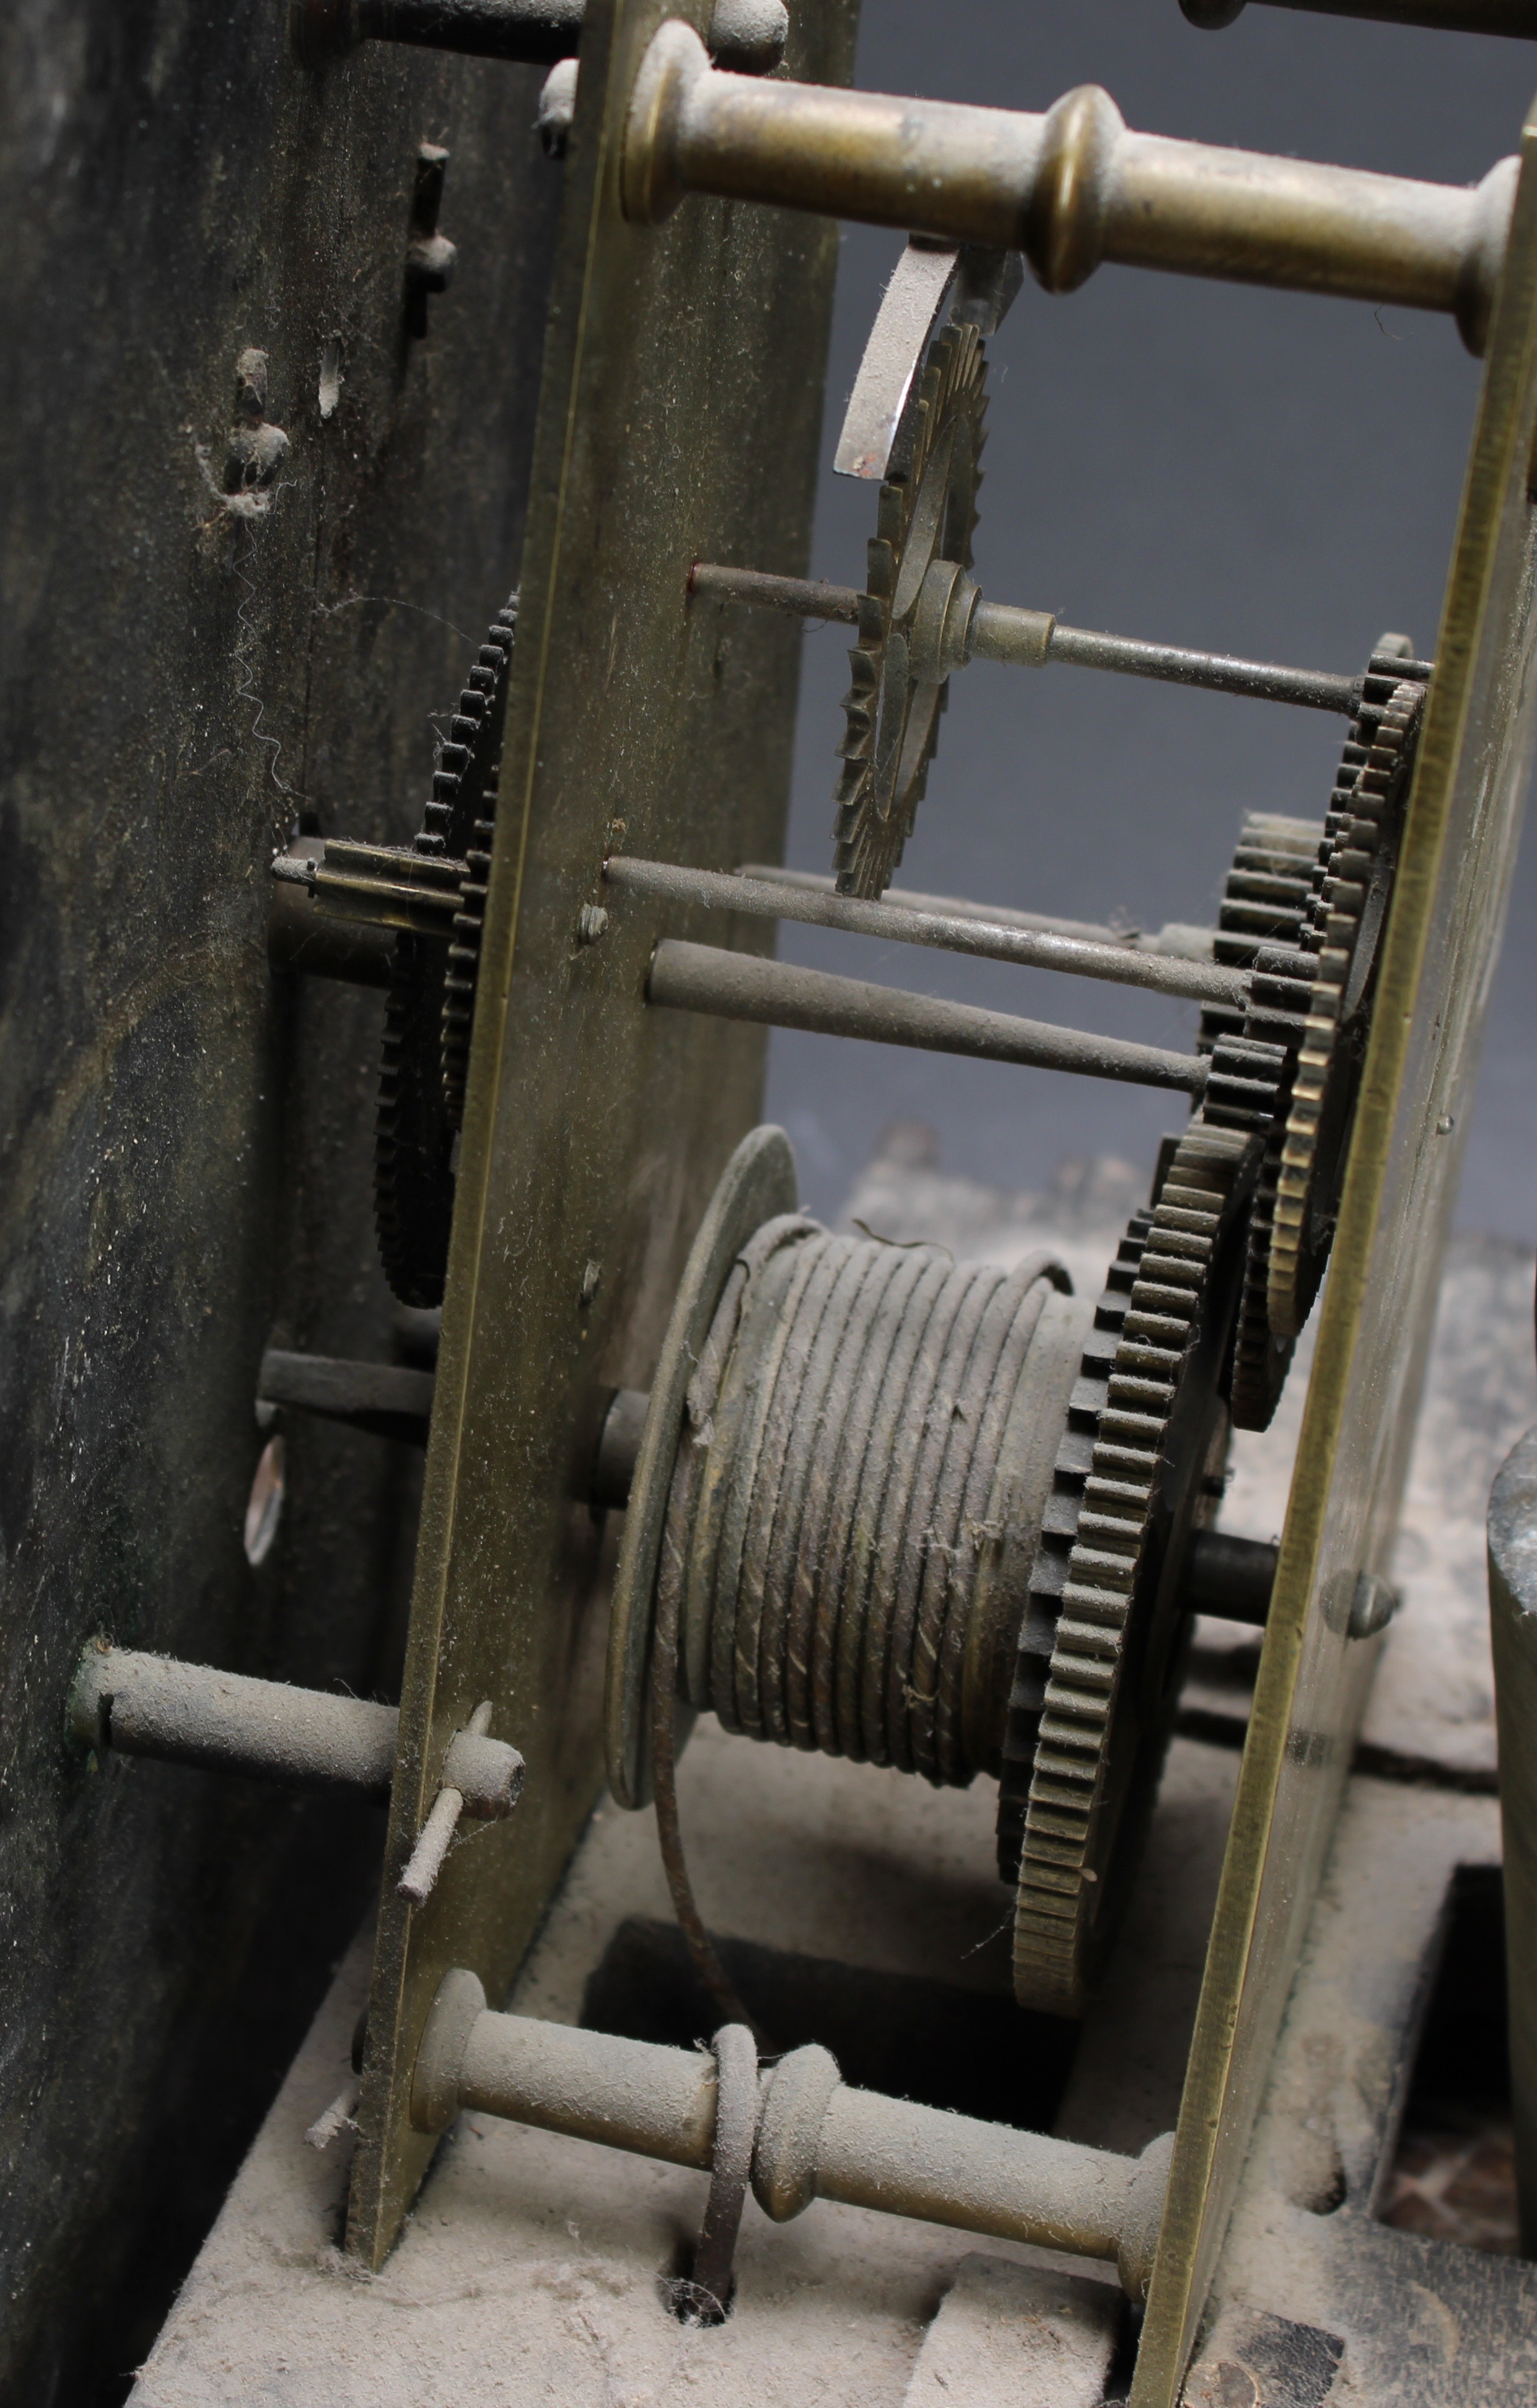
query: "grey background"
1262, 473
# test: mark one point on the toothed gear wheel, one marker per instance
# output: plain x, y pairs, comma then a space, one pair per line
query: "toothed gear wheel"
1266, 903
928, 513
414, 1132
464, 954
1138, 1469
1274, 1027
1365, 828
1266, 898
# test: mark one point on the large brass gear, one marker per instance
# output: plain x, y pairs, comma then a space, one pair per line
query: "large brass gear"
927, 514
1356, 886
1137, 1471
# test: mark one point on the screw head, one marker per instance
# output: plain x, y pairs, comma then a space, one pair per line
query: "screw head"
1373, 1606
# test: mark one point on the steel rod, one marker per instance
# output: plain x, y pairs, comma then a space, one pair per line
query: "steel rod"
1001, 631
798, 597
1230, 1577
998, 634
1188, 944
780, 995
1071, 189
1037, 949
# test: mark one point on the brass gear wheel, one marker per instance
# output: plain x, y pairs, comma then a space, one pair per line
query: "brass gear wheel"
1365, 827
1263, 917
1267, 901
464, 953
1274, 1027
1101, 1646
414, 1133
927, 514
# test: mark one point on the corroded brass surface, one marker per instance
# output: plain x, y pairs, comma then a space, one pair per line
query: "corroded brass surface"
679, 420
1378, 1306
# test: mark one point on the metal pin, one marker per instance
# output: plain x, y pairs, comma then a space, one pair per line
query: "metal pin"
335, 2118
417, 1882
430, 257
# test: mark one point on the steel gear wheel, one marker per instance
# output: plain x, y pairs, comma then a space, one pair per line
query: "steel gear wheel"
1139, 1467
1364, 830
927, 514
414, 1131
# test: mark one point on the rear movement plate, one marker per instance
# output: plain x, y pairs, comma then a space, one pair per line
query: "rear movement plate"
678, 420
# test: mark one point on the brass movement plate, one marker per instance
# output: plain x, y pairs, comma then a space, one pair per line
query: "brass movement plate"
1378, 1306
680, 418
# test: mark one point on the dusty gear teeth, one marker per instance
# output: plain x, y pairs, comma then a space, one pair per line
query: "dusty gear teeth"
1266, 907
1280, 994
1138, 1469
461, 975
926, 513
1274, 922
415, 1128
464, 965
1267, 897
1349, 910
